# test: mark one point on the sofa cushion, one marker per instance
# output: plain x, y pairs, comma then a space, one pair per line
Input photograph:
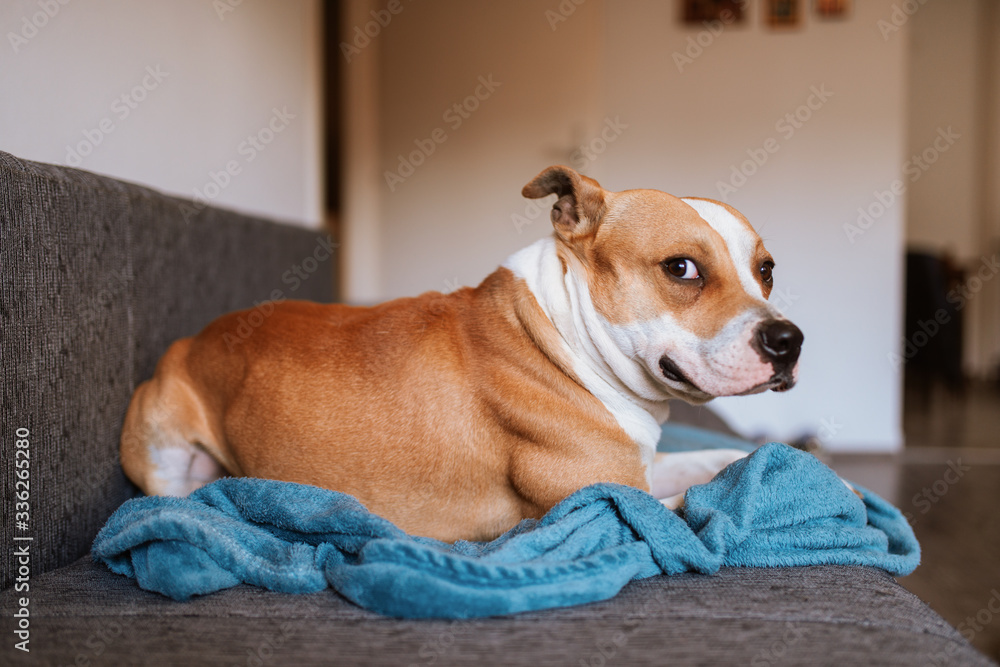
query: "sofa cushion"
99, 276
838, 615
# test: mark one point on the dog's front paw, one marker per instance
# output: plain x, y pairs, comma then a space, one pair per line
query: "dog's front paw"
674, 502
673, 474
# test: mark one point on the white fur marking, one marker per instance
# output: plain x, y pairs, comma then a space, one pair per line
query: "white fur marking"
619, 382
181, 470
740, 241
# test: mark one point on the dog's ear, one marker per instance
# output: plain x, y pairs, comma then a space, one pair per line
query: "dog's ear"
578, 211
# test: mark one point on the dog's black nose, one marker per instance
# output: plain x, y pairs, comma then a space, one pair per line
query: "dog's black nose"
779, 341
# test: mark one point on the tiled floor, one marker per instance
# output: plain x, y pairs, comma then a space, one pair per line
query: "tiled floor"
948, 482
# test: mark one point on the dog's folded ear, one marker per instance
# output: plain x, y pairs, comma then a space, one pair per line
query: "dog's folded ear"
578, 211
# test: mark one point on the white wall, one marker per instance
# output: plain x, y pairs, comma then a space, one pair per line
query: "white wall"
689, 128
452, 221
944, 204
221, 74
953, 207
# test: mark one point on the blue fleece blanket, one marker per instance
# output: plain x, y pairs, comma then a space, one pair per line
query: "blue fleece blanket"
777, 507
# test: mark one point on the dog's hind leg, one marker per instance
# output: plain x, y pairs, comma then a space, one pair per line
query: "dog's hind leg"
167, 446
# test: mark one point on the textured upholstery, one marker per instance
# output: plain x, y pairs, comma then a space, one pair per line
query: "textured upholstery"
794, 616
99, 276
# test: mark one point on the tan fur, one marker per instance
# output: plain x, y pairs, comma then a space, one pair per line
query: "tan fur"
454, 416
446, 414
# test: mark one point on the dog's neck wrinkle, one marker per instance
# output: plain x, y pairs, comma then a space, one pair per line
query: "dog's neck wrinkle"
548, 271
535, 325
582, 338
600, 352
556, 295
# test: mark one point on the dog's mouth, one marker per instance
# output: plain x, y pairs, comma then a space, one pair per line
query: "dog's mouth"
778, 382
671, 371
781, 381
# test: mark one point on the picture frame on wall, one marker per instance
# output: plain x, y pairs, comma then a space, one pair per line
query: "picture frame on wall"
832, 9
782, 14
699, 12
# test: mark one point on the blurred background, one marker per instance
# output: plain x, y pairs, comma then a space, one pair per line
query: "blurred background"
862, 139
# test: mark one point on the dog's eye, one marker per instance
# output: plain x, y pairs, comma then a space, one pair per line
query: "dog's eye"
765, 272
684, 269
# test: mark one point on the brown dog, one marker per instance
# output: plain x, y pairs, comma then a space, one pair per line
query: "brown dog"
457, 415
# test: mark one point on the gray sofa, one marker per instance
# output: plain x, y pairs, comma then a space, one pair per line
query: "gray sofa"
98, 277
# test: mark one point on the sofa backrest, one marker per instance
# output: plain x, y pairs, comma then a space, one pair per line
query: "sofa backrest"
98, 277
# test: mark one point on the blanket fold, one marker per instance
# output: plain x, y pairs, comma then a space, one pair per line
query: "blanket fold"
777, 507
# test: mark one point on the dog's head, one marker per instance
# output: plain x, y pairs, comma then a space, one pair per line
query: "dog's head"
679, 286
